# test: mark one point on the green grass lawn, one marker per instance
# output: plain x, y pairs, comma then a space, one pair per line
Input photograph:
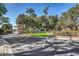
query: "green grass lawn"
40, 34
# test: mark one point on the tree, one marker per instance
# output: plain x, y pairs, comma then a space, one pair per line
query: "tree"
3, 11
60, 24
45, 17
70, 17
45, 11
53, 21
20, 21
30, 11
4, 20
74, 13
7, 27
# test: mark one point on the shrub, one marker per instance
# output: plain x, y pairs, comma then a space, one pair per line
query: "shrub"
66, 32
29, 30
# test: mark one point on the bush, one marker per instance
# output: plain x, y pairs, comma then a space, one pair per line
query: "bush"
29, 30
66, 33
7, 28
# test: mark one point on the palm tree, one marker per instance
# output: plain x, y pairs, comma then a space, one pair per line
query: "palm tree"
30, 11
45, 11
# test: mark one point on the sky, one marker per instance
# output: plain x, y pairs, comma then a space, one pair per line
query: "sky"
14, 9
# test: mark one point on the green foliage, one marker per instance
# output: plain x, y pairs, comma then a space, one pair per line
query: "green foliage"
4, 20
69, 19
45, 11
30, 22
42, 22
3, 9
29, 30
40, 34
7, 28
66, 32
30, 12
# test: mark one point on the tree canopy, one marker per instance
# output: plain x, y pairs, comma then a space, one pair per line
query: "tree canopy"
68, 19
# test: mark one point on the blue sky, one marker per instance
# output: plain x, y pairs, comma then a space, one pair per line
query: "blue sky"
14, 9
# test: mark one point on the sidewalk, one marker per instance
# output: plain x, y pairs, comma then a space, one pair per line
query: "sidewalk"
5, 49
68, 38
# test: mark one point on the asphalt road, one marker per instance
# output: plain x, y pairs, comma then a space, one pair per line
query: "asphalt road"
33, 47
5, 49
